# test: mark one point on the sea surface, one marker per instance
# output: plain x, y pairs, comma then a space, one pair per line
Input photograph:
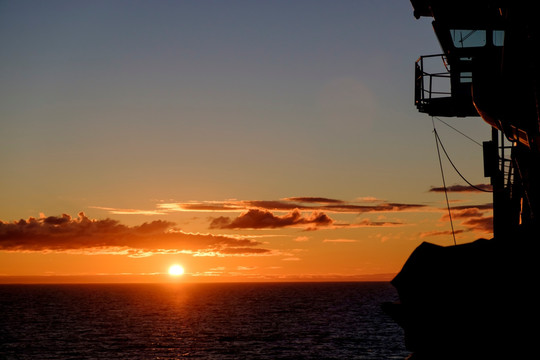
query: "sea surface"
200, 321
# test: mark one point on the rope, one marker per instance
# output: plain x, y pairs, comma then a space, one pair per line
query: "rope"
444, 182
456, 130
454, 166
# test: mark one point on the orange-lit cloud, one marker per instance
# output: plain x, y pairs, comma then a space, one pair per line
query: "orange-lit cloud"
264, 219
473, 218
82, 234
317, 200
130, 211
339, 241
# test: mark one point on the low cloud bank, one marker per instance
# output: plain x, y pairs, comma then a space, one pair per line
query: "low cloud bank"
66, 234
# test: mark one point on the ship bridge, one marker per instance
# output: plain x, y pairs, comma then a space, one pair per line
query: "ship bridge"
488, 66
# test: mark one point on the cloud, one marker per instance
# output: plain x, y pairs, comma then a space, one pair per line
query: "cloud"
263, 214
369, 199
369, 223
339, 241
294, 258
488, 206
264, 219
129, 211
439, 233
205, 206
246, 268
480, 224
317, 200
82, 234
473, 217
463, 188
381, 207
463, 213
470, 217
301, 203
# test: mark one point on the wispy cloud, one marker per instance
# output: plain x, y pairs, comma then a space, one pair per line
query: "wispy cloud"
82, 234
339, 241
463, 188
371, 223
301, 203
317, 200
117, 211
440, 233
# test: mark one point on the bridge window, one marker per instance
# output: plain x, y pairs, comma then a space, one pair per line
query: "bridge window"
468, 38
465, 77
498, 37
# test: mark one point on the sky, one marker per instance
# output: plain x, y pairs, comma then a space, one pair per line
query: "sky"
244, 140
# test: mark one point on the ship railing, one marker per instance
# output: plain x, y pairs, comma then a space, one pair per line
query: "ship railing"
432, 81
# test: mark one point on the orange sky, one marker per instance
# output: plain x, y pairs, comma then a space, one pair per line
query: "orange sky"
244, 140
286, 239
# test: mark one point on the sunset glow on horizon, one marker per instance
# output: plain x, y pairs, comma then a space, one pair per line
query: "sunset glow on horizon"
239, 141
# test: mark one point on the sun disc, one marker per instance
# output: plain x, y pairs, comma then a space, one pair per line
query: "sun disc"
176, 270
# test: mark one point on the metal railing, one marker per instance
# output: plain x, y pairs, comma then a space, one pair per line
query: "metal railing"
429, 85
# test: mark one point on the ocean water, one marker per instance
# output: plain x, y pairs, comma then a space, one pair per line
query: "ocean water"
200, 321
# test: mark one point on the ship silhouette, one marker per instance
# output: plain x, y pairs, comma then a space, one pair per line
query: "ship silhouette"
478, 300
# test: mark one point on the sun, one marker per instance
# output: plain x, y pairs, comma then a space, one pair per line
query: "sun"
176, 270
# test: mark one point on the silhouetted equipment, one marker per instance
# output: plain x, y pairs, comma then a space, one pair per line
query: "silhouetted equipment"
490, 68
473, 300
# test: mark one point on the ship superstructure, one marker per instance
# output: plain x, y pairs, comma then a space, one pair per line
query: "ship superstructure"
477, 300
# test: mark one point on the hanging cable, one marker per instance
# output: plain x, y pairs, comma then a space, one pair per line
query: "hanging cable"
444, 182
456, 130
454, 166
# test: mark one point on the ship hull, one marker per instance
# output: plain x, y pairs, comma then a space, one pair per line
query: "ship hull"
474, 300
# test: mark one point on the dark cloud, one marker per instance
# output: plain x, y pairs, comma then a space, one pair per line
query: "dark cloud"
303, 203
64, 233
488, 206
463, 188
473, 217
464, 213
264, 219
480, 224
371, 223
381, 207
470, 217
440, 233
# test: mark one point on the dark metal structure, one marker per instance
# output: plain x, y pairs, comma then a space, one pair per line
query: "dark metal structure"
473, 301
492, 69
